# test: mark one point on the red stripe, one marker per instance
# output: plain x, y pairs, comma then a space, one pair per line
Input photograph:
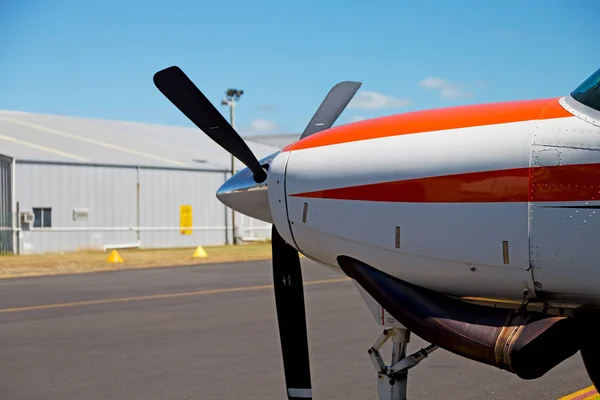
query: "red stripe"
585, 395
542, 184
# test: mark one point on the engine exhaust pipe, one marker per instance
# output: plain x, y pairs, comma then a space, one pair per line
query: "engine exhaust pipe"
526, 343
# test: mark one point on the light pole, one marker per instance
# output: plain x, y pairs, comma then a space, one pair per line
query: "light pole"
231, 98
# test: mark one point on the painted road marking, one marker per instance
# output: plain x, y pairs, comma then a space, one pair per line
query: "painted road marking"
588, 393
159, 296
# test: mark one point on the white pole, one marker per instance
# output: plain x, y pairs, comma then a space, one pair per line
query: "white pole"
232, 119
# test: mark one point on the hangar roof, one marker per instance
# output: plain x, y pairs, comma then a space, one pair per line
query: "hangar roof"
278, 140
55, 138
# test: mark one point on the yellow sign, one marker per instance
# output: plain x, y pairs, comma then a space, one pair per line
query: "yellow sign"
185, 219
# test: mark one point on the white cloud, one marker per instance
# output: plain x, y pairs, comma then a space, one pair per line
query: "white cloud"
357, 118
376, 101
263, 126
446, 89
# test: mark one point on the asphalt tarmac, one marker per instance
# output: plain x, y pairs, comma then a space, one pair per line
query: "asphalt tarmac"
184, 333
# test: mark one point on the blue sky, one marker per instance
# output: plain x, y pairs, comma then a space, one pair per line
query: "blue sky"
96, 58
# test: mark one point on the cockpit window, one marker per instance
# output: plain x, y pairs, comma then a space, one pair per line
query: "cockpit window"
588, 93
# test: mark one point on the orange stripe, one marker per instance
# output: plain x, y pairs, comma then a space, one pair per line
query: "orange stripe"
435, 120
561, 183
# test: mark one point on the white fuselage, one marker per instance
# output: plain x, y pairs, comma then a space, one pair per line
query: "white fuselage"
469, 208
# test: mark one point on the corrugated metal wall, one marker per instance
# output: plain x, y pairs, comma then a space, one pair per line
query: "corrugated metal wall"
108, 194
162, 192
6, 214
250, 229
110, 197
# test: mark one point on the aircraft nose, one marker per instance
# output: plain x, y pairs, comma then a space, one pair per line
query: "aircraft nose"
244, 195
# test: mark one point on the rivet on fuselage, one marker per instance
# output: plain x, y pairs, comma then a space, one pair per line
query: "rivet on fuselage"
538, 284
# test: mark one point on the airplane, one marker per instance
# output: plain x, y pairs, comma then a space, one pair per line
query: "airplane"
473, 227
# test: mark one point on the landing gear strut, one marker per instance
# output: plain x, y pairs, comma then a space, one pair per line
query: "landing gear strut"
392, 379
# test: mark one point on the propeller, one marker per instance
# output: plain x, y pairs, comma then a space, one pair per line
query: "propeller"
291, 317
287, 274
332, 106
175, 85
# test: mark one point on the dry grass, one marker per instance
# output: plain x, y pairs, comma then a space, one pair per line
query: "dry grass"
95, 261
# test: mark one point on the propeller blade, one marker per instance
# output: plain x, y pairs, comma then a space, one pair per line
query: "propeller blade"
332, 106
291, 318
175, 85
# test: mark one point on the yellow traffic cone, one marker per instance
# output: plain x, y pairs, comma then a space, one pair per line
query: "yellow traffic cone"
114, 257
199, 253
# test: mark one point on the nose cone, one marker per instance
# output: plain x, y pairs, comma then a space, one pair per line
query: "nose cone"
244, 195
